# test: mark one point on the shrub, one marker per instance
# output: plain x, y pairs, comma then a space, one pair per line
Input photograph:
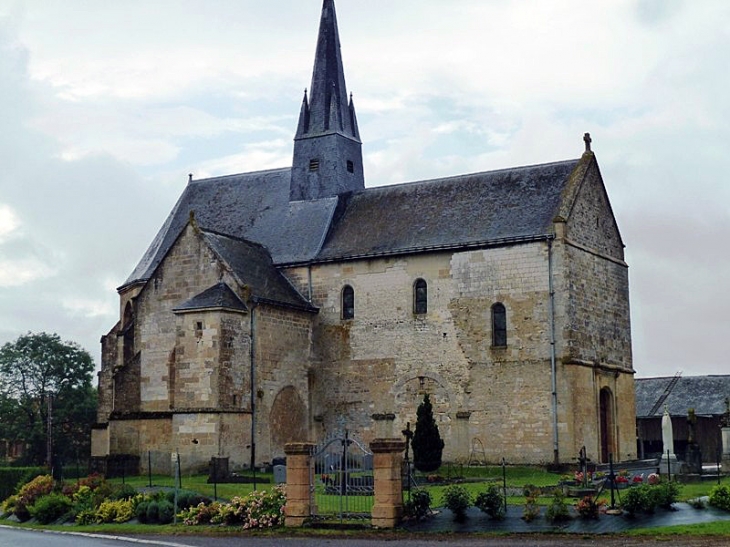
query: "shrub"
720, 497
666, 493
153, 512
457, 500
558, 510
589, 507
491, 502
165, 512
419, 506
86, 517
49, 508
531, 510
187, 498
29, 493
200, 514
427, 443
115, 511
265, 509
141, 511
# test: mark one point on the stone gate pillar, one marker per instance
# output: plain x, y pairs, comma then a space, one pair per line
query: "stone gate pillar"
298, 476
388, 483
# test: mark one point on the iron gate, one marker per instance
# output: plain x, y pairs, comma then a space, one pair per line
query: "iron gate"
341, 479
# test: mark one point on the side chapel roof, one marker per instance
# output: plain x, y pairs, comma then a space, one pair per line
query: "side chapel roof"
252, 265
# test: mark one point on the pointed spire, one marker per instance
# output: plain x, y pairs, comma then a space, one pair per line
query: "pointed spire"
303, 126
328, 98
353, 119
327, 149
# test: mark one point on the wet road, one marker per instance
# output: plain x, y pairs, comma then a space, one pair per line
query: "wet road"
13, 537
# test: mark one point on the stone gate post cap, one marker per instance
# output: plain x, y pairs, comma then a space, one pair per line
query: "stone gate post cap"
298, 449
387, 445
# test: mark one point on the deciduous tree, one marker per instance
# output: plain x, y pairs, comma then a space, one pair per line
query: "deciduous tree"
33, 369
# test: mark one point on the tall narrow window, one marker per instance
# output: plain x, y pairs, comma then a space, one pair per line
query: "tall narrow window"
348, 302
499, 325
420, 296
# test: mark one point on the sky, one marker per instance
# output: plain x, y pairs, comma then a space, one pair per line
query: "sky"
106, 106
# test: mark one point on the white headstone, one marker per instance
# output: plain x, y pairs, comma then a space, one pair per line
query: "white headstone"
667, 433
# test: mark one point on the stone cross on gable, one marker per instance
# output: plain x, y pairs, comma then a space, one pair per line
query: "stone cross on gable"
587, 139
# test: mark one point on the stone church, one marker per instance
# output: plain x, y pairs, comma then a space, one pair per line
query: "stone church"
280, 305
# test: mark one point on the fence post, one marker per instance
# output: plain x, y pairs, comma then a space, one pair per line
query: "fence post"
388, 482
298, 483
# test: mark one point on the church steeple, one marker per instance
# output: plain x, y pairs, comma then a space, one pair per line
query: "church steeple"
327, 148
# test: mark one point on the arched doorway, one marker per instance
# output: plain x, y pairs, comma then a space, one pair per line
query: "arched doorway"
608, 424
287, 420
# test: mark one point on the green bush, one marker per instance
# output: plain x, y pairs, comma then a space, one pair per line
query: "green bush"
666, 493
141, 511
29, 493
558, 510
419, 506
639, 499
50, 508
491, 502
457, 499
187, 498
165, 512
153, 512
720, 497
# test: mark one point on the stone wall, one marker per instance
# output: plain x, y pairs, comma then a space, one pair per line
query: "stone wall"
283, 345
387, 357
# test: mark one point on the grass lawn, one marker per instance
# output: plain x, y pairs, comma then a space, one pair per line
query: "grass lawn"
199, 483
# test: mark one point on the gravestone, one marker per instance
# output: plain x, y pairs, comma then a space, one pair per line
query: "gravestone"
279, 474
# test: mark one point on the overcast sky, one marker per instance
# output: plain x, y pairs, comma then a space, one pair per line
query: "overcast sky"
106, 106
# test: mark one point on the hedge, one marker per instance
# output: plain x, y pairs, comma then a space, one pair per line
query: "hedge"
11, 477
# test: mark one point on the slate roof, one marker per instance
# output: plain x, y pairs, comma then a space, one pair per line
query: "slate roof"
252, 265
706, 394
450, 212
219, 296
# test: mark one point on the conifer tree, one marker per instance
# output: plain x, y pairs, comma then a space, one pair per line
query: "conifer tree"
427, 443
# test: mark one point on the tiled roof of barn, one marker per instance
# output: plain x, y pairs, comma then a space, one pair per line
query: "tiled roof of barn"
706, 394
452, 212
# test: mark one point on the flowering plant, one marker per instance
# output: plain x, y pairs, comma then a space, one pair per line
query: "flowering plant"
621, 479
638, 479
589, 507
579, 476
259, 509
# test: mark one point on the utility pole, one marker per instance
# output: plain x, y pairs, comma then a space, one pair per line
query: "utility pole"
49, 436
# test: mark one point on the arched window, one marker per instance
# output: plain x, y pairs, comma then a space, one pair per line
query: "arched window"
420, 296
348, 302
499, 325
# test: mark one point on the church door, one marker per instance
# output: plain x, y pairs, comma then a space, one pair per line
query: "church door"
608, 439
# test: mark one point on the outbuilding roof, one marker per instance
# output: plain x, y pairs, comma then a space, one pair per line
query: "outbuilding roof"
706, 394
